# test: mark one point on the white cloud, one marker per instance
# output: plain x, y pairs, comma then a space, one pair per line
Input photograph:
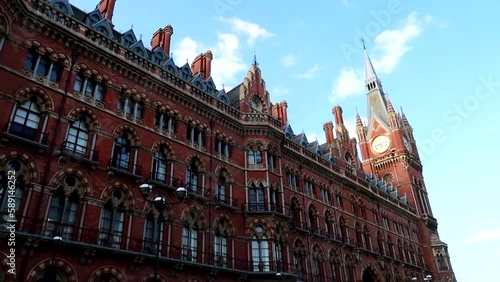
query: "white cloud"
227, 61
315, 136
346, 3
310, 73
428, 19
187, 49
278, 91
288, 60
484, 236
251, 30
350, 81
393, 44
389, 47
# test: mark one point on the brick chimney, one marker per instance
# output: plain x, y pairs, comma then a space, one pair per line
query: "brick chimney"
161, 38
106, 7
337, 112
280, 111
328, 128
203, 64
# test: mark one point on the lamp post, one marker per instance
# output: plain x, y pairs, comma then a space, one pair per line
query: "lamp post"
159, 204
428, 278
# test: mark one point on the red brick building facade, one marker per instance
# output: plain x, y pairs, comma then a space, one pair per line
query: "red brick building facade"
89, 114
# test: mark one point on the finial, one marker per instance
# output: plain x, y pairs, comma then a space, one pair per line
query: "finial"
140, 36
223, 86
131, 26
254, 58
363, 42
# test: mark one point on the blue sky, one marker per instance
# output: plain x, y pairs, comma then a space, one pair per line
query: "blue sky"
440, 66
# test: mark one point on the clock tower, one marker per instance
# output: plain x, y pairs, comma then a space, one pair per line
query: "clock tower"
389, 152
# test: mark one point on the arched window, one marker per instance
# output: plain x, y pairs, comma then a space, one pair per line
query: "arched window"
221, 189
295, 214
335, 270
26, 121
121, 154
77, 138
312, 219
221, 240
153, 232
317, 269
130, 107
278, 249
164, 123
192, 175
90, 87
256, 197
51, 274
196, 136
43, 66
190, 237
160, 165
254, 157
112, 221
7, 194
107, 277
63, 209
260, 250
298, 259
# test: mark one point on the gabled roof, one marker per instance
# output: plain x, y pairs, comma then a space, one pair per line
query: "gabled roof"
63, 5
103, 27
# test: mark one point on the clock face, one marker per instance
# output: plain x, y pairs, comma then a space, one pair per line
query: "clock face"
256, 104
407, 144
380, 144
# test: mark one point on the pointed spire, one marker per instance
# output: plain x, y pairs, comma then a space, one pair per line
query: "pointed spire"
255, 59
390, 108
371, 78
358, 118
403, 118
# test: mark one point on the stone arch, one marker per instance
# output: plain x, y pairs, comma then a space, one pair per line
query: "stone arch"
191, 279
168, 213
87, 72
254, 144
58, 177
151, 276
312, 207
164, 108
329, 216
226, 172
60, 264
200, 163
43, 98
108, 269
299, 246
91, 117
257, 182
268, 228
130, 198
194, 211
169, 149
4, 25
295, 201
125, 128
230, 227
284, 231
30, 171
272, 148
319, 248
369, 274
334, 255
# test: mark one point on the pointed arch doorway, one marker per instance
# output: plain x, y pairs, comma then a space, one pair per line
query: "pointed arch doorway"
369, 275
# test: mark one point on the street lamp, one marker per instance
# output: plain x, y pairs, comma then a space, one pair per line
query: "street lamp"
414, 279
159, 204
428, 278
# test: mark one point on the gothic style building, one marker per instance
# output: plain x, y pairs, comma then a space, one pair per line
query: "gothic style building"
89, 115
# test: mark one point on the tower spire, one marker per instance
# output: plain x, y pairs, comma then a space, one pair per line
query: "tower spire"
255, 59
371, 78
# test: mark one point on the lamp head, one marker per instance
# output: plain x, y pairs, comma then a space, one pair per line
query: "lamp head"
159, 203
145, 189
181, 193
